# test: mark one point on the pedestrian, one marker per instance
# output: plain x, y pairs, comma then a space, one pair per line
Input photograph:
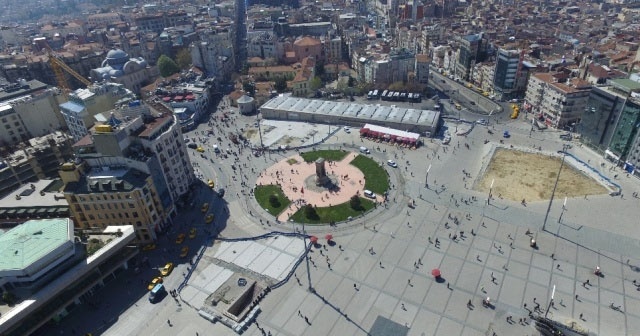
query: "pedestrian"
581, 316
576, 297
169, 322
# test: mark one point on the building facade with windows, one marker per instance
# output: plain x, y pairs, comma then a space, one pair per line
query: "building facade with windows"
557, 99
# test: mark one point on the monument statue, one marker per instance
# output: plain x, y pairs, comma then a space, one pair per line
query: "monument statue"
321, 173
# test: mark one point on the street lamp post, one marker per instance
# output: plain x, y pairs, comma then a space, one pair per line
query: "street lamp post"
553, 293
490, 190
555, 186
426, 178
564, 208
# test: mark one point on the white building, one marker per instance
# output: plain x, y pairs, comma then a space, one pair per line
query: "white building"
559, 100
84, 104
214, 53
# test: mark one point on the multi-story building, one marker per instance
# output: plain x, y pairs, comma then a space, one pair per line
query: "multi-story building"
557, 99
152, 144
36, 200
332, 49
84, 104
422, 68
28, 109
38, 159
103, 19
472, 49
301, 84
156, 22
262, 45
63, 29
100, 197
509, 74
482, 75
610, 121
214, 53
52, 272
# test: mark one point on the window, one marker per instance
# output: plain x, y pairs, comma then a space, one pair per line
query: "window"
86, 207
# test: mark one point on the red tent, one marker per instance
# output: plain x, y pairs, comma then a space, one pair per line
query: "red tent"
328, 236
313, 239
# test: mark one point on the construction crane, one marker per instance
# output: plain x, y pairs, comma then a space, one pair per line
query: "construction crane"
59, 67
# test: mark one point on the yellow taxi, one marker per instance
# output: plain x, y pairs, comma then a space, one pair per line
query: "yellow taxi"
458, 106
205, 207
149, 247
154, 282
210, 183
192, 233
180, 238
166, 270
184, 251
209, 218
200, 149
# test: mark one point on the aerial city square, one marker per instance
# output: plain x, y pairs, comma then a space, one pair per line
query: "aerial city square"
361, 167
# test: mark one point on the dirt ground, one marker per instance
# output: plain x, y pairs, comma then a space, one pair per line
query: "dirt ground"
520, 175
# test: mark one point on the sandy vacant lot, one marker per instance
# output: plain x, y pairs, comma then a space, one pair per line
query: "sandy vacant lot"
519, 175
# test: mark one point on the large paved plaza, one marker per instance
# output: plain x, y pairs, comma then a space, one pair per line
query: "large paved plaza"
377, 276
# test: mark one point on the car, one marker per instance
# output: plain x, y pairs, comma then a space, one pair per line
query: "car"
192, 145
370, 194
347, 129
472, 103
458, 106
209, 218
149, 247
200, 149
166, 270
221, 192
210, 183
481, 122
392, 163
154, 282
180, 238
192, 233
205, 207
184, 251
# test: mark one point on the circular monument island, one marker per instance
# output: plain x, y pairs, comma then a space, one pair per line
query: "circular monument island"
322, 187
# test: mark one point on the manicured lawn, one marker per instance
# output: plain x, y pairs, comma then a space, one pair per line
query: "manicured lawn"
375, 177
327, 154
336, 213
262, 196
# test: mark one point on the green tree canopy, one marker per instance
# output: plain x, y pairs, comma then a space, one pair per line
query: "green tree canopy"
281, 84
310, 212
316, 83
183, 59
167, 66
355, 202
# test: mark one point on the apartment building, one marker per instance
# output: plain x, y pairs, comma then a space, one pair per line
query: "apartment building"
214, 53
557, 99
84, 104
38, 160
27, 109
422, 68
610, 122
510, 76
152, 144
99, 197
472, 49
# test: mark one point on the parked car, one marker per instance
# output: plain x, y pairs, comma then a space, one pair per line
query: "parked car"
184, 251
221, 192
180, 238
205, 207
192, 233
154, 282
209, 218
166, 270
149, 247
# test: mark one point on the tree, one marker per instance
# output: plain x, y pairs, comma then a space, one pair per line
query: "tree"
355, 203
352, 81
8, 298
167, 66
280, 84
310, 212
183, 59
319, 69
249, 88
315, 83
274, 201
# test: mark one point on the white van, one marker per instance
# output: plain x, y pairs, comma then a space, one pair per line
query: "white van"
365, 150
369, 194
